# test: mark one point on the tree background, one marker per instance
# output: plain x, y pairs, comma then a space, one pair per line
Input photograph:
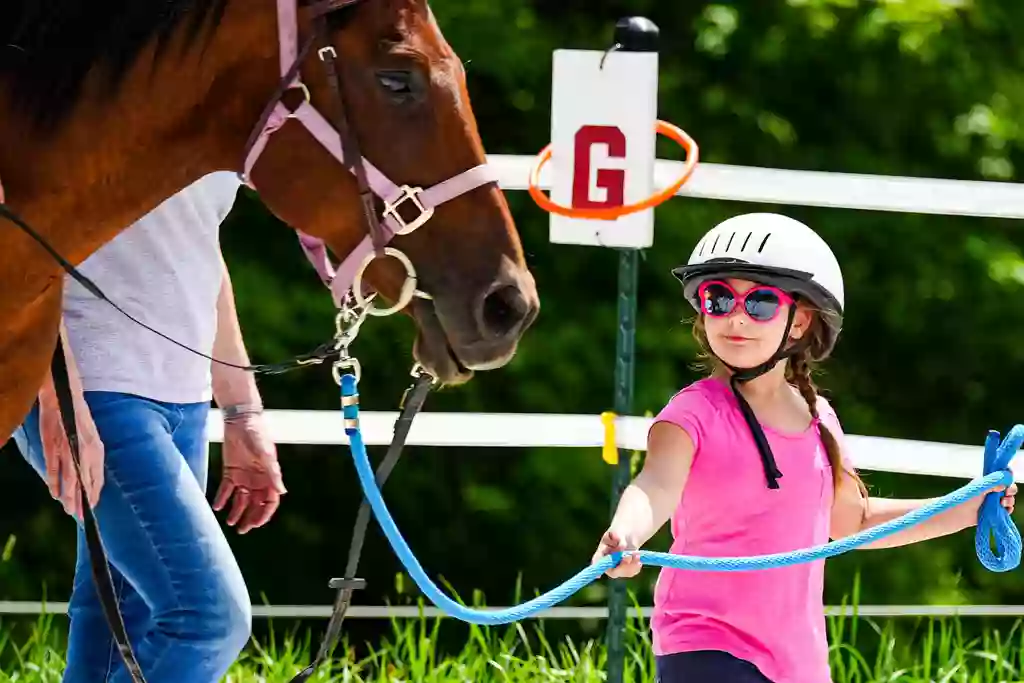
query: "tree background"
931, 347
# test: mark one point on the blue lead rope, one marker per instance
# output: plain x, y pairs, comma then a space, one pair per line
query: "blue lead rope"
994, 527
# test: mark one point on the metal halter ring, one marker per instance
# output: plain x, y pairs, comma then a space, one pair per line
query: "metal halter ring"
408, 287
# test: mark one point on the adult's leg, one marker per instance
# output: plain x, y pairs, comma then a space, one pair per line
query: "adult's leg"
705, 666
162, 537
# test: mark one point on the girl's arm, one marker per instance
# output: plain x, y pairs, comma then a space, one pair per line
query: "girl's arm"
649, 500
852, 513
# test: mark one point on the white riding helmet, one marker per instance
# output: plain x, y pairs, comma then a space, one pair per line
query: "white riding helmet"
770, 248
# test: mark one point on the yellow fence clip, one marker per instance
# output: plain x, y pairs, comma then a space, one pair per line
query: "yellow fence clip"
610, 450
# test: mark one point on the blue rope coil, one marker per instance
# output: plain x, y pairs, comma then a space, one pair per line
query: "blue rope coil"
995, 527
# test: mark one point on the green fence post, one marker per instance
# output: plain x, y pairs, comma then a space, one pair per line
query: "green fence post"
632, 34
625, 356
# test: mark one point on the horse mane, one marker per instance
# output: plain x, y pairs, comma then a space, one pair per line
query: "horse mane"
49, 47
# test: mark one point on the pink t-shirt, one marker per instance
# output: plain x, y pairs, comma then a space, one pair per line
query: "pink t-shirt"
773, 618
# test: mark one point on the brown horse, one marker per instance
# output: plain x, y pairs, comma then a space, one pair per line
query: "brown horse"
107, 107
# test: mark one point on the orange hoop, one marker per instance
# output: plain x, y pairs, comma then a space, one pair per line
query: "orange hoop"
611, 213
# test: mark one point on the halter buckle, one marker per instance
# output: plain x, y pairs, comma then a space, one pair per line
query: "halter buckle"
408, 194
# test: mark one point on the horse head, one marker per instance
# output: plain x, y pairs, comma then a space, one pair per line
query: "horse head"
370, 145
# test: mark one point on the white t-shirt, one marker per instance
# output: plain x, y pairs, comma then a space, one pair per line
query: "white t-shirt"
165, 270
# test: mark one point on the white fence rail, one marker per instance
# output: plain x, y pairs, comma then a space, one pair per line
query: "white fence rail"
504, 430
811, 188
564, 613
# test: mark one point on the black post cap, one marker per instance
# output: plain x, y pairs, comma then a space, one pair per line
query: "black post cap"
636, 34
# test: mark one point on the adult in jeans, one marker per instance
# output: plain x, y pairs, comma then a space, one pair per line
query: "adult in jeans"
143, 404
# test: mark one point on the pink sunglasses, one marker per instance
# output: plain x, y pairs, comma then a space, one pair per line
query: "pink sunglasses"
761, 302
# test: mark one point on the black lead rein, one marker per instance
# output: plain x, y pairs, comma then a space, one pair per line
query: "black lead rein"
97, 556
412, 402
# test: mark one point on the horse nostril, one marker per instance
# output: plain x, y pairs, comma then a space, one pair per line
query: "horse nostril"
503, 311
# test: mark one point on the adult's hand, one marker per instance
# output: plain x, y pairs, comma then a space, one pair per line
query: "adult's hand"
251, 475
61, 477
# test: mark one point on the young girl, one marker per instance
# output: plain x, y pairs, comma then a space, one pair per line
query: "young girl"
750, 461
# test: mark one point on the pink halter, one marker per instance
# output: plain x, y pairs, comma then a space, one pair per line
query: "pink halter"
277, 114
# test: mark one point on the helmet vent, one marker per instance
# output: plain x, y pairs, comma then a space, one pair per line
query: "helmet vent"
729, 243
763, 242
715, 245
744, 247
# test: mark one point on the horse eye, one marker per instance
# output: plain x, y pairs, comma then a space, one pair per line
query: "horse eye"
396, 83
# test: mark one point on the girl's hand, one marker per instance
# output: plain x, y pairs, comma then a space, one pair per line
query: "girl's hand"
611, 542
973, 507
1008, 499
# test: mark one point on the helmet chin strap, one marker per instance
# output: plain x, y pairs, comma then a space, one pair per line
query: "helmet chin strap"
741, 375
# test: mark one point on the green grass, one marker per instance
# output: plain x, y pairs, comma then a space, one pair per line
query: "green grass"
906, 650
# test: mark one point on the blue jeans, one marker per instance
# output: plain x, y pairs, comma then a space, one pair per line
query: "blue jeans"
185, 605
